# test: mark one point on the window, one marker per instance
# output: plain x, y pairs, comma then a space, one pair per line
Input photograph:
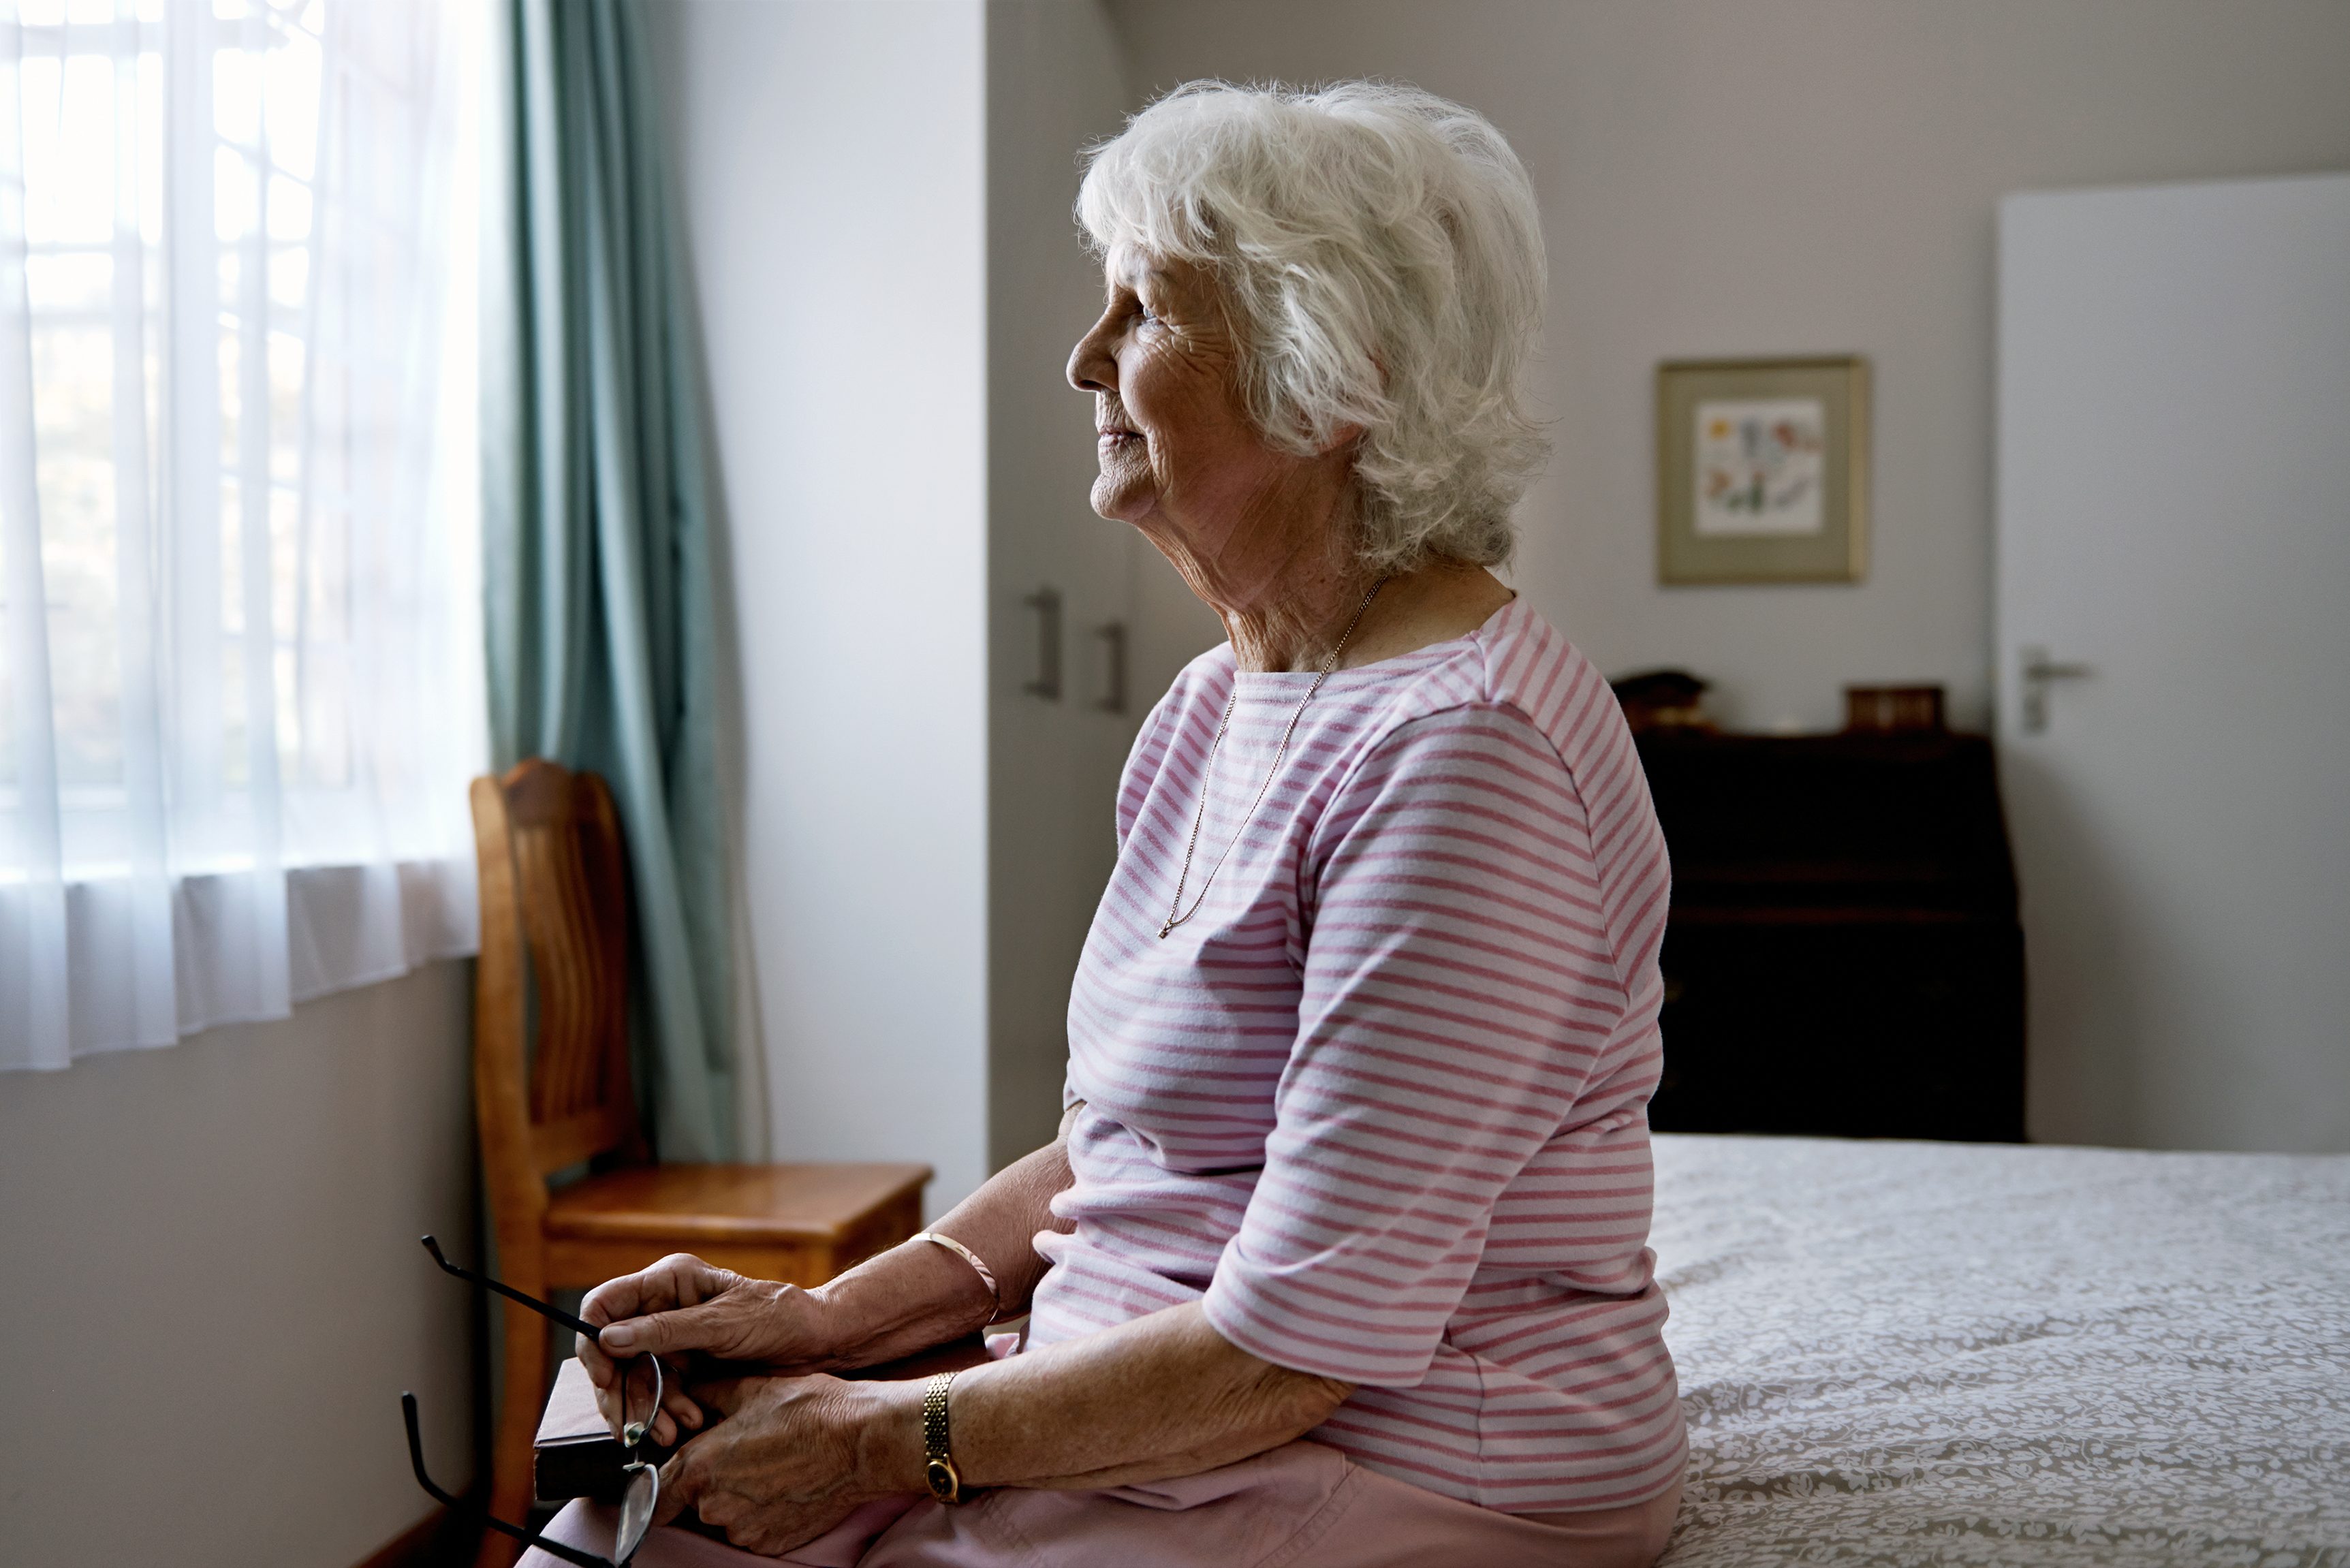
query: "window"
239, 679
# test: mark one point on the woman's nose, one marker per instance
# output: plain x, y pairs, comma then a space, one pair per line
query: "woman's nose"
1092, 366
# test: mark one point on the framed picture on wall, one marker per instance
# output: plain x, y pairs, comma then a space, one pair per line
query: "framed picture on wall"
1763, 471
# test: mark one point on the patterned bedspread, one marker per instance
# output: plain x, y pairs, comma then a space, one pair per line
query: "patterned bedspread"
1909, 1352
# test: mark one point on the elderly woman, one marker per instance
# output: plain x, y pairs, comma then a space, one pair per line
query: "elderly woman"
1339, 1257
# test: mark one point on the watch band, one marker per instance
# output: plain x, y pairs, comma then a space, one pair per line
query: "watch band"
938, 1467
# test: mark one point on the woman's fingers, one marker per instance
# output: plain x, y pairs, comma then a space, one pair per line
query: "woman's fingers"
600, 1366
672, 1333
621, 1397
677, 1288
680, 1293
611, 1402
684, 1412
681, 1481
678, 1280
682, 1305
673, 1425
625, 1297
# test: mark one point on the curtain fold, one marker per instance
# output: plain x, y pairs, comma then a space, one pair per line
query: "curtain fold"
240, 681
596, 521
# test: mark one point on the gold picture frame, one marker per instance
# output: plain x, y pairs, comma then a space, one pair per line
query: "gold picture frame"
1762, 470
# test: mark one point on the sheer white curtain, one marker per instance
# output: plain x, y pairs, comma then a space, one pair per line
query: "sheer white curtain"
240, 686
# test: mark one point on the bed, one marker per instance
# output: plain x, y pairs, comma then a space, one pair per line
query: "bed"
1913, 1353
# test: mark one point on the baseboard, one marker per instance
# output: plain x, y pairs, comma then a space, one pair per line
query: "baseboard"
438, 1540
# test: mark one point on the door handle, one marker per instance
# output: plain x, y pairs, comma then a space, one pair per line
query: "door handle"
1046, 603
2037, 670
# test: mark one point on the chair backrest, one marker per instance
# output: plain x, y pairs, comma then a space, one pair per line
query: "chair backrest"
555, 952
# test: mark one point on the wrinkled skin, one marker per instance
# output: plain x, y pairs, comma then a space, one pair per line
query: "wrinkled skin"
1262, 535
780, 1466
1259, 534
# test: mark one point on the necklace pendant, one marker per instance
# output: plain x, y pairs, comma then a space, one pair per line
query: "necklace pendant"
1165, 931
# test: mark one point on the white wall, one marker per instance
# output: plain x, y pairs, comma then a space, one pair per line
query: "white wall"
1727, 177
828, 159
876, 202
213, 1294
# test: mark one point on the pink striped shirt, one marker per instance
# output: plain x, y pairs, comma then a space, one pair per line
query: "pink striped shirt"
1382, 1102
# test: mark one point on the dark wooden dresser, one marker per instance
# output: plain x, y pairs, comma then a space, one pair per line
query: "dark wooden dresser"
1843, 956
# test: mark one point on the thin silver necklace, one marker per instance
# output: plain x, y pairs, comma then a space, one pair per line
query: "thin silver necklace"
1176, 913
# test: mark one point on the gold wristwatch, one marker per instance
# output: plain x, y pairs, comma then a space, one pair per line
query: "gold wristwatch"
939, 1469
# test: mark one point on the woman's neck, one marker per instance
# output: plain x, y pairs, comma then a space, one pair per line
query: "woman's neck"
1431, 603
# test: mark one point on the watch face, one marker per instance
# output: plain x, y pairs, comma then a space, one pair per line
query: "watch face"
945, 1485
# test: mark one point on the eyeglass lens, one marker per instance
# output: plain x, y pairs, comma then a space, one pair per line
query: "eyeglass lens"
636, 1510
644, 1480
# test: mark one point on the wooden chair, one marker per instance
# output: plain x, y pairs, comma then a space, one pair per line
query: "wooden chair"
553, 885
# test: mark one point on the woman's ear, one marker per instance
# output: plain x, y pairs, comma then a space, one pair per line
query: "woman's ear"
1343, 438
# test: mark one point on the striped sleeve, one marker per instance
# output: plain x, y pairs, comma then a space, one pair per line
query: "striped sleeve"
1460, 985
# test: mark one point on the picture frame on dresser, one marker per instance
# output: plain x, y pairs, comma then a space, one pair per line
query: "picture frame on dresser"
1762, 470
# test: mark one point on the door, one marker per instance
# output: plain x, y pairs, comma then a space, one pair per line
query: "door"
2173, 640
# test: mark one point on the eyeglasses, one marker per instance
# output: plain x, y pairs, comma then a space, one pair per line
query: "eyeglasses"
643, 1481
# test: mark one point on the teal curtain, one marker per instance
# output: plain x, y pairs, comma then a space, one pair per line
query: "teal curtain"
596, 521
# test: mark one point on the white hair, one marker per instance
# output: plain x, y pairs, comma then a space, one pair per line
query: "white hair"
1380, 253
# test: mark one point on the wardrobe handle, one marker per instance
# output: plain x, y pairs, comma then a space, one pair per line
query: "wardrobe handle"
1113, 637
1046, 603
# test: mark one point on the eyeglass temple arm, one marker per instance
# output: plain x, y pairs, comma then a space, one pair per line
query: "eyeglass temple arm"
415, 1458
575, 1325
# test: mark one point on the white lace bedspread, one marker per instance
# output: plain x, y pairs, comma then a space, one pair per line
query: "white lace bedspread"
1910, 1353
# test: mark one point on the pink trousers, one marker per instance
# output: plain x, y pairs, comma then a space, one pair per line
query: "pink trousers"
1303, 1505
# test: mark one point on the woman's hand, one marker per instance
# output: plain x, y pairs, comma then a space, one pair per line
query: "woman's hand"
682, 1305
792, 1457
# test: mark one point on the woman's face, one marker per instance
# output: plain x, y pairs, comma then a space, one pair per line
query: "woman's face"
1180, 458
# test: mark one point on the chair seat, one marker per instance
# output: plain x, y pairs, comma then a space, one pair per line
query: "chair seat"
682, 1205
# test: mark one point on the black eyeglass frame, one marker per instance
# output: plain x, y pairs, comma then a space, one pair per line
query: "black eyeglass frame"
416, 1444
527, 1537
543, 1309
